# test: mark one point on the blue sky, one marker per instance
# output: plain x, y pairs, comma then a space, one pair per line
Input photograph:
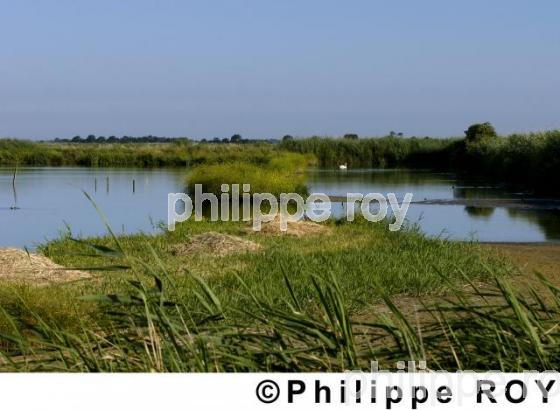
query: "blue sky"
266, 68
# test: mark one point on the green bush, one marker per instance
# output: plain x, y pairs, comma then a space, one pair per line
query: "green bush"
530, 159
480, 132
271, 178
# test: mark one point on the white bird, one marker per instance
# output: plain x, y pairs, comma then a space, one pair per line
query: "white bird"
343, 166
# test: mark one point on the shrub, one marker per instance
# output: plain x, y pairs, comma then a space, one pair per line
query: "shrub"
273, 172
480, 132
262, 179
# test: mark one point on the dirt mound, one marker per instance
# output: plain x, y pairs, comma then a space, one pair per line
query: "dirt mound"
18, 265
297, 228
216, 243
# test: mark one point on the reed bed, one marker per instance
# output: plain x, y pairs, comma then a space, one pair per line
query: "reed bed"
531, 159
175, 154
146, 330
321, 303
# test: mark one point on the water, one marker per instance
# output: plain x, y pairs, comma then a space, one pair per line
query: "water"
50, 199
456, 222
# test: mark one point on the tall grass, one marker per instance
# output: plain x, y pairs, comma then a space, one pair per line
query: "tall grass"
532, 159
94, 155
281, 173
385, 152
327, 303
181, 153
147, 330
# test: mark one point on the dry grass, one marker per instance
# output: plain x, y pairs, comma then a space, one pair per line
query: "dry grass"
530, 258
296, 228
216, 243
543, 258
18, 265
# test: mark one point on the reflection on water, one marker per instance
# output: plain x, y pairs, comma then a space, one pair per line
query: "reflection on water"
493, 224
479, 211
422, 183
136, 199
548, 221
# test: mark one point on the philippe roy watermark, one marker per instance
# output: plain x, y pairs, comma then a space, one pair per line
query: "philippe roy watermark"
412, 386
235, 204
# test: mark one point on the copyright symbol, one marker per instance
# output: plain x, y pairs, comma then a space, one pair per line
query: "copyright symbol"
268, 391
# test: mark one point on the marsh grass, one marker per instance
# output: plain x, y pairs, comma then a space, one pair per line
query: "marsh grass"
317, 303
261, 179
176, 154
283, 172
528, 159
146, 329
355, 252
28, 153
377, 152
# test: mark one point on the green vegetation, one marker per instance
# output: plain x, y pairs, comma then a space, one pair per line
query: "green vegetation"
148, 139
480, 132
316, 303
92, 139
532, 160
385, 152
14, 152
319, 302
281, 173
177, 154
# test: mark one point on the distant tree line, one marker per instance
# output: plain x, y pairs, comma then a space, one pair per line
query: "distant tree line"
393, 150
234, 139
238, 139
93, 139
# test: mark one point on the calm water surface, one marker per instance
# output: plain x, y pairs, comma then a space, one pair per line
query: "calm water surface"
457, 222
51, 201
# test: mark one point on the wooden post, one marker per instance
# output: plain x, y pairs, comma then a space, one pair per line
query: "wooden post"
14, 187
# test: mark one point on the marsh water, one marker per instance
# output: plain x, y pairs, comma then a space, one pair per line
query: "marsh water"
51, 201
439, 204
